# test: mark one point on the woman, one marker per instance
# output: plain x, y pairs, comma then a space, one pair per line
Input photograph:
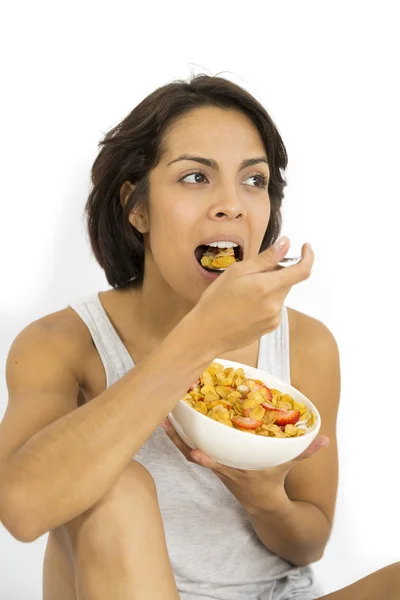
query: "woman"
194, 164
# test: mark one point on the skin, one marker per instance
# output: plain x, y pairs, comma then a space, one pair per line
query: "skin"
182, 213
183, 209
291, 507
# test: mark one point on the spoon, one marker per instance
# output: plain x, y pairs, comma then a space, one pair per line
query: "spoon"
285, 262
288, 262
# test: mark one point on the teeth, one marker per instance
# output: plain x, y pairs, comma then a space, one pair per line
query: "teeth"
223, 244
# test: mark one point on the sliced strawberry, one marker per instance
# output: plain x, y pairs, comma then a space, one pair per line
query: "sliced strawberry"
263, 389
247, 411
287, 418
269, 406
246, 423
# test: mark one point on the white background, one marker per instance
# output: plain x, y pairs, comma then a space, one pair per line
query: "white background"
328, 74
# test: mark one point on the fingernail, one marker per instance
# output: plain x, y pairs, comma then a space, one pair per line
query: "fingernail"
324, 441
281, 243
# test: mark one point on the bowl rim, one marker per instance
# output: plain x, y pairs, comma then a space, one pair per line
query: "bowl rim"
316, 426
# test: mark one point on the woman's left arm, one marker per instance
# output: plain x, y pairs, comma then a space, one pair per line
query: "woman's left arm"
291, 507
297, 524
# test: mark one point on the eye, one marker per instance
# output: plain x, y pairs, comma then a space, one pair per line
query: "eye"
197, 177
259, 181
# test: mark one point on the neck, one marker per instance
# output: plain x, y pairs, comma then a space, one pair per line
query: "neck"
159, 307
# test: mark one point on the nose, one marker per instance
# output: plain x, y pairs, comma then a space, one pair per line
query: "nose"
226, 208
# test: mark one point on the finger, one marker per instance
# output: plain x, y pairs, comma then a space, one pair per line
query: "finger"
197, 456
205, 461
289, 276
176, 439
269, 258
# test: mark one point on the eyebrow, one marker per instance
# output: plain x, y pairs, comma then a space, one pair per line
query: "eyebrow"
208, 162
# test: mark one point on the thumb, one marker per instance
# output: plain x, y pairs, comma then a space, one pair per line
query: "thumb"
269, 258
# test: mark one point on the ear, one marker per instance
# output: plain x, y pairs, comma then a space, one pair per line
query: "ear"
138, 218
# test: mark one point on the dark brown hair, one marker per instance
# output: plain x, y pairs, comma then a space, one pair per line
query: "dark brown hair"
132, 148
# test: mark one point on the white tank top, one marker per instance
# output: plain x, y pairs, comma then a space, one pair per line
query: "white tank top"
214, 551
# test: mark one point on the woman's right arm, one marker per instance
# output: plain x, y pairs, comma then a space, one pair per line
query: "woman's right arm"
56, 460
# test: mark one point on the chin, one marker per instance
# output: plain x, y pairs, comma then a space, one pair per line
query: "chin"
171, 282
187, 293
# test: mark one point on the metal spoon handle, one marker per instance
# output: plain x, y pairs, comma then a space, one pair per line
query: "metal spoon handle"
289, 262
285, 262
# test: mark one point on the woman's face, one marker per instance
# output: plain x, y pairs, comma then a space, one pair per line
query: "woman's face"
211, 184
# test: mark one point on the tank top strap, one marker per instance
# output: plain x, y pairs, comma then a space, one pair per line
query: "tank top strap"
114, 355
274, 351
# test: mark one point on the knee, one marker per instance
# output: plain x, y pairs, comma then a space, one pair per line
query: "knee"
110, 527
133, 486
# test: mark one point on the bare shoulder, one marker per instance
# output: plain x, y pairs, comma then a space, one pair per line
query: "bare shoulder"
64, 322
314, 353
306, 329
310, 337
61, 334
43, 372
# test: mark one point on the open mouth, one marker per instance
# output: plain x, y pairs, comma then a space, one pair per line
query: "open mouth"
218, 256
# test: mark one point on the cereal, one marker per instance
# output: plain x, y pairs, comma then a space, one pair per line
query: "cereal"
227, 396
218, 258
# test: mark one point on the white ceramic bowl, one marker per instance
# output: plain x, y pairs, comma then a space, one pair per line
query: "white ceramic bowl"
235, 448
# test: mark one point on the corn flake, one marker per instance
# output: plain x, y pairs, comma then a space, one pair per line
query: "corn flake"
227, 396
